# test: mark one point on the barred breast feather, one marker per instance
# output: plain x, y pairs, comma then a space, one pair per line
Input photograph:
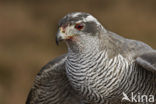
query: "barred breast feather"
98, 78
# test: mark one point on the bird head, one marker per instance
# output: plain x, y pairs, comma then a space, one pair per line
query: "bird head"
78, 28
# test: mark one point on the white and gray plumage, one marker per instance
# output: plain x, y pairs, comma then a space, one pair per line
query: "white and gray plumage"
99, 66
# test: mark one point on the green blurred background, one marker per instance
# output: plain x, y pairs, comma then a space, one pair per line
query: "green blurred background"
28, 27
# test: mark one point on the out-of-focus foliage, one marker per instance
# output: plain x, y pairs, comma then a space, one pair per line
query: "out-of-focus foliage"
28, 27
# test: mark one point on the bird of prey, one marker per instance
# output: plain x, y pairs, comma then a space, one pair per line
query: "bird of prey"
97, 69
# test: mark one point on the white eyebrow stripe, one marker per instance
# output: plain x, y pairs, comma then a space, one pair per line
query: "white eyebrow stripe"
75, 14
91, 18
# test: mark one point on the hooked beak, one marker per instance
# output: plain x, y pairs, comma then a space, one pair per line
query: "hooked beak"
61, 35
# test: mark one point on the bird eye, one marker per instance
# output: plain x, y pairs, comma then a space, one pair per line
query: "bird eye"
79, 26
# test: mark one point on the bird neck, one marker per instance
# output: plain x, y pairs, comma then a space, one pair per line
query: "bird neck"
83, 46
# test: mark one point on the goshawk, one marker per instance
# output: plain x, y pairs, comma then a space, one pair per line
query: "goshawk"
99, 68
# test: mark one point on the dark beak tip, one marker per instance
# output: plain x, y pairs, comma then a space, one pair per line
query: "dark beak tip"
58, 39
57, 43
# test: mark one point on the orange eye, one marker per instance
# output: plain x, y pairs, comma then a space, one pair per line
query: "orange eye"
79, 26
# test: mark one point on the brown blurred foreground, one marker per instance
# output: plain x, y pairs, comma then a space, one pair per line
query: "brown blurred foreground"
27, 35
